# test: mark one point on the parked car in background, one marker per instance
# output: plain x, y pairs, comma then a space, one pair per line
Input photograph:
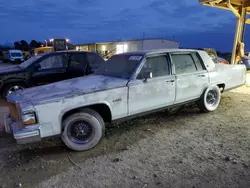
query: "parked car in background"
220, 60
246, 60
47, 68
127, 85
13, 56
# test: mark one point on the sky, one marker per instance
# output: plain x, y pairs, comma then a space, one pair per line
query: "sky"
85, 21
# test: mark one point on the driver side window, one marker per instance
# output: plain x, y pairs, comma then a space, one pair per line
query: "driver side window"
158, 65
57, 61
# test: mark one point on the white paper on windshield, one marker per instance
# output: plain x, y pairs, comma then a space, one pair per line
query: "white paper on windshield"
135, 58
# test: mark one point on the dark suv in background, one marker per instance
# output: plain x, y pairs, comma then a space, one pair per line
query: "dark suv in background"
47, 68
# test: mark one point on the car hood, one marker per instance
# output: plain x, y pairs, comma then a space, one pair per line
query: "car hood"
69, 88
10, 69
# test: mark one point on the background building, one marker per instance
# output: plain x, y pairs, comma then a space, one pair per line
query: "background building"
107, 49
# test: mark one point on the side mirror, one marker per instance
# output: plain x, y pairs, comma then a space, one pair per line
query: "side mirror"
147, 74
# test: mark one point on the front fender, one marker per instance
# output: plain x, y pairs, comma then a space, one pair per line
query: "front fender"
62, 113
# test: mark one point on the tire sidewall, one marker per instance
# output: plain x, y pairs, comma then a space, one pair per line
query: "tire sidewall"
215, 106
95, 124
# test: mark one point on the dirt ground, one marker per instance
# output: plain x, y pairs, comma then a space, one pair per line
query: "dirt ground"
183, 149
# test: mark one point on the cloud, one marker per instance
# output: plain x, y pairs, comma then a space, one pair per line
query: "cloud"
96, 20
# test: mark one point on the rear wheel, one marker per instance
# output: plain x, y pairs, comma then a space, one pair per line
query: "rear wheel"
83, 130
210, 99
11, 88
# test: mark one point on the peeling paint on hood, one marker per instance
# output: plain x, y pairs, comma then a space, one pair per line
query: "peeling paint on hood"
69, 88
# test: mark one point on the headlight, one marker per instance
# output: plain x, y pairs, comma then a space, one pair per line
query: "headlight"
29, 118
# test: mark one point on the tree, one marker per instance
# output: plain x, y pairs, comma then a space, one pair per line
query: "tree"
24, 45
21, 45
33, 44
39, 44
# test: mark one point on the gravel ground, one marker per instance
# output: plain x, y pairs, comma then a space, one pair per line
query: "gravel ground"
183, 149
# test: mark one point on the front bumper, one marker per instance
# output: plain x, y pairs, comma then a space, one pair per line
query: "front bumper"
16, 60
22, 136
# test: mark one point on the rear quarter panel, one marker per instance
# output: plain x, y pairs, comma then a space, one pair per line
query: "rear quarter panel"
231, 75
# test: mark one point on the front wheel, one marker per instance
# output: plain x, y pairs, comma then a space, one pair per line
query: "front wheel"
210, 99
83, 130
11, 88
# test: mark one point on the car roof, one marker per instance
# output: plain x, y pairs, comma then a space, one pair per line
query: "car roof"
70, 51
66, 51
158, 51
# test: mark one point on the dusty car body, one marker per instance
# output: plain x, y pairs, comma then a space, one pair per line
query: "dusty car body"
126, 86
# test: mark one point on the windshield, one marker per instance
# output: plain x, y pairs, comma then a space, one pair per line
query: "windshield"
27, 63
120, 66
16, 54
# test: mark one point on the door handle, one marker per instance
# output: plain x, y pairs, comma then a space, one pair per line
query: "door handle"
170, 81
201, 75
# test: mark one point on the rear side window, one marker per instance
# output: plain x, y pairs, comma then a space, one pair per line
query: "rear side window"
55, 61
94, 60
198, 63
184, 63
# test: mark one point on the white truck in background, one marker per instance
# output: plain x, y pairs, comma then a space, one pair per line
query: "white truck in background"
127, 85
13, 56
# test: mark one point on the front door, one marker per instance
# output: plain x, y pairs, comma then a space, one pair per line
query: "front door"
50, 69
191, 76
156, 92
78, 65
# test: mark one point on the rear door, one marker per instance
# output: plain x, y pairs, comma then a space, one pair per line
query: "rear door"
50, 69
191, 76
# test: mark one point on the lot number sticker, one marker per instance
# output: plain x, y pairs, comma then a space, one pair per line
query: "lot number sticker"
135, 58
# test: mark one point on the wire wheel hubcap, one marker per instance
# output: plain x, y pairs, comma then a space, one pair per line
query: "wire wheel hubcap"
211, 98
14, 89
80, 132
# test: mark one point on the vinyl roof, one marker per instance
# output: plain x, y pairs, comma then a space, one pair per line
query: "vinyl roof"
223, 4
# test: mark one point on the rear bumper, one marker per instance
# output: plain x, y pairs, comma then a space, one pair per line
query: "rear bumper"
22, 136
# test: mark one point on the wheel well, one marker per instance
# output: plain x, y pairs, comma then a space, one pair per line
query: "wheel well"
14, 82
222, 87
11, 82
102, 109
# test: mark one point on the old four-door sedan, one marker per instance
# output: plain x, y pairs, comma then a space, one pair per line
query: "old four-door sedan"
126, 86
